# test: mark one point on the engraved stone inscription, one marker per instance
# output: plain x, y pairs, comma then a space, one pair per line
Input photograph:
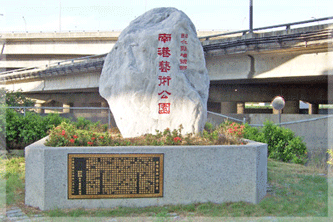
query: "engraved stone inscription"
115, 176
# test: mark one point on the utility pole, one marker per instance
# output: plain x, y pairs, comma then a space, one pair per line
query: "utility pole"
59, 15
25, 24
251, 16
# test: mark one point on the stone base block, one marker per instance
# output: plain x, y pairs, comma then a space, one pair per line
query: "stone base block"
192, 174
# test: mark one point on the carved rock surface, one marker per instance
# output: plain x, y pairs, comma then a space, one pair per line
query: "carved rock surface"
155, 77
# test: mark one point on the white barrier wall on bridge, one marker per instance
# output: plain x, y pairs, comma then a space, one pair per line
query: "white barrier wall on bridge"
229, 67
58, 83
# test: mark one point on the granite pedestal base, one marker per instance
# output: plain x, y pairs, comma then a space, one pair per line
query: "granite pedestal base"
192, 174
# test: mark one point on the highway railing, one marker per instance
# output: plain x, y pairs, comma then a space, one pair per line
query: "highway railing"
286, 25
55, 64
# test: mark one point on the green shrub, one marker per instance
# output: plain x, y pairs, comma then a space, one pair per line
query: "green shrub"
282, 143
85, 124
24, 130
68, 134
17, 98
209, 126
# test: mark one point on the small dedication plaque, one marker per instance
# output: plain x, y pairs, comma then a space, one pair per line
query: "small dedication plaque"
93, 176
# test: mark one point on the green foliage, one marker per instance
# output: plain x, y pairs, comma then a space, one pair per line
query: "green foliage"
282, 143
85, 124
24, 130
16, 98
209, 126
69, 134
13, 171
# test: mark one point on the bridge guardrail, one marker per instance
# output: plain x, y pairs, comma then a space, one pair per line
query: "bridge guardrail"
55, 64
287, 25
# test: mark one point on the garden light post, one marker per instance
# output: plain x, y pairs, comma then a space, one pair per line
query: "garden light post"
278, 103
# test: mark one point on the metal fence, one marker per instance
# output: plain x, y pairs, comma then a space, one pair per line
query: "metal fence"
261, 125
286, 25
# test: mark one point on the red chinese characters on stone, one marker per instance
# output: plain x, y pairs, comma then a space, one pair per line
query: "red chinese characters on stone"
183, 35
164, 80
183, 48
164, 37
164, 108
183, 61
165, 52
184, 55
164, 66
164, 94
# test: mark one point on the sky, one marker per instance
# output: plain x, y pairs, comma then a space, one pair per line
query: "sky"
108, 15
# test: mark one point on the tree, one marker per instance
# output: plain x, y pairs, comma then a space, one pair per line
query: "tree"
17, 99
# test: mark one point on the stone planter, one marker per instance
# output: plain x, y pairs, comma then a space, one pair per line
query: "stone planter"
189, 174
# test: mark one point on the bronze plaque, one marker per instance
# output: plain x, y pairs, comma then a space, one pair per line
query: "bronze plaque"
93, 176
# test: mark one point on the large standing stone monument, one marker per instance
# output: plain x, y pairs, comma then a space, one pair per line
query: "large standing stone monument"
155, 77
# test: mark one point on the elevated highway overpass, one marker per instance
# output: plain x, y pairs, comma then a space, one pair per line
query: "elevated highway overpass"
22, 50
243, 67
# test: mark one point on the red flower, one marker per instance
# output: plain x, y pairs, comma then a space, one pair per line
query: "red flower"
176, 139
90, 143
93, 138
101, 137
71, 140
75, 136
63, 132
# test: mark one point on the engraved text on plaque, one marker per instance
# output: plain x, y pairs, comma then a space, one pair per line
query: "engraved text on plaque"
115, 175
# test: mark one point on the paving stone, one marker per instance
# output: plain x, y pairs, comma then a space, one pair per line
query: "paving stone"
16, 214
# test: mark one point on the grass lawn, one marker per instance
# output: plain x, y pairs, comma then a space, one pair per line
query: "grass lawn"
294, 190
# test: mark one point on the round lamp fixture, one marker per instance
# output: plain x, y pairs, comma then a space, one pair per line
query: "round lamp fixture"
278, 103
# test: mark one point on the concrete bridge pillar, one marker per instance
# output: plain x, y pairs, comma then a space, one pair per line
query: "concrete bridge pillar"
232, 107
104, 104
38, 106
313, 108
275, 111
291, 107
228, 107
241, 108
66, 108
